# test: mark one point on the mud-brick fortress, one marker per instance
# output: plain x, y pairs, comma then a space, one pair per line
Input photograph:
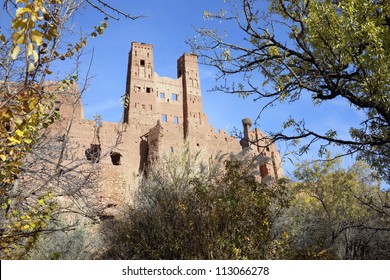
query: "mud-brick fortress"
161, 114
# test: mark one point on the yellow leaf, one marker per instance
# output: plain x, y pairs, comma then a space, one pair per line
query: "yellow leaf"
12, 141
19, 132
3, 157
15, 52
19, 38
35, 55
22, 11
36, 37
31, 67
29, 49
32, 103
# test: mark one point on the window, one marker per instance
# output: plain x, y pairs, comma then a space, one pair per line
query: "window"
115, 158
57, 105
142, 62
174, 96
164, 118
162, 95
93, 153
176, 120
171, 150
148, 90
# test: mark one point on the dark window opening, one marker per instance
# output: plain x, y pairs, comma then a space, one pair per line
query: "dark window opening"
197, 144
115, 158
171, 149
93, 153
57, 105
148, 90
142, 62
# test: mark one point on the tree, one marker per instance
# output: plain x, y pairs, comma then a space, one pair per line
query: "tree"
337, 213
186, 209
32, 42
327, 49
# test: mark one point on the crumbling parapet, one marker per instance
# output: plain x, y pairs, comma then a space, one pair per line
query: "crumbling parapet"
270, 165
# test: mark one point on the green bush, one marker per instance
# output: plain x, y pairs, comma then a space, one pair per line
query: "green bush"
188, 210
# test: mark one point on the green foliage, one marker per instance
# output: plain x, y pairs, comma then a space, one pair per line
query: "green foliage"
186, 210
322, 49
337, 213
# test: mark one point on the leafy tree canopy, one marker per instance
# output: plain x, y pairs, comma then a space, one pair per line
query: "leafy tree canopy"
325, 49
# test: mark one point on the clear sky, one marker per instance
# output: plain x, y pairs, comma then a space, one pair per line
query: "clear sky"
167, 24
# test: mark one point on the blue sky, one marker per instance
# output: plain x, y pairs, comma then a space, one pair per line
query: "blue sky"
167, 25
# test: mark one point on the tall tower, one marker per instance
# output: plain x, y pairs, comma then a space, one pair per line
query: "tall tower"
187, 68
140, 97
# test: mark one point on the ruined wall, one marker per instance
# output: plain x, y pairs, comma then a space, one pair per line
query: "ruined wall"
160, 116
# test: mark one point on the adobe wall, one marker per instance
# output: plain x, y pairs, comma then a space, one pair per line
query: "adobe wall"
161, 115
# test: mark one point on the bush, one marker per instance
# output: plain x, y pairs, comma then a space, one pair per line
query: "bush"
76, 244
188, 210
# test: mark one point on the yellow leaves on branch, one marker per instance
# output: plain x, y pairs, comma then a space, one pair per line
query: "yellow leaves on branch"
20, 121
25, 34
25, 221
